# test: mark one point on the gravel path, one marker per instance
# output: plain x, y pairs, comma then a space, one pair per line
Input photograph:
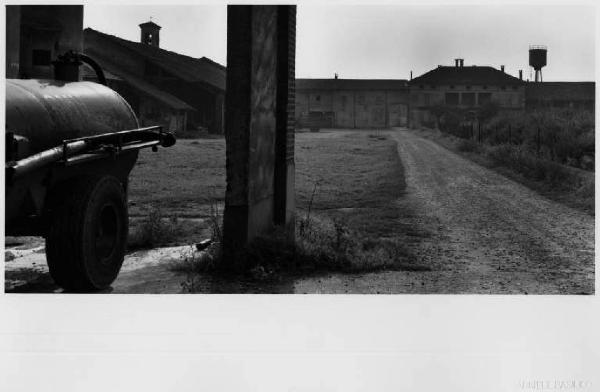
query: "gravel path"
480, 233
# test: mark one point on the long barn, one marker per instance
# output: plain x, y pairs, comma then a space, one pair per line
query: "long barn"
351, 103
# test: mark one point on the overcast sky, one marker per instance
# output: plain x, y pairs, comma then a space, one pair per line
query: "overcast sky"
385, 41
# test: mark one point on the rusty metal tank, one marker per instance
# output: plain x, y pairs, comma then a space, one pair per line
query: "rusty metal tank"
46, 112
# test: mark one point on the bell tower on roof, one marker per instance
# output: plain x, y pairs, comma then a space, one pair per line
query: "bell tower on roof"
150, 33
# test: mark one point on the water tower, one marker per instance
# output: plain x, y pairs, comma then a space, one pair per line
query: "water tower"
537, 59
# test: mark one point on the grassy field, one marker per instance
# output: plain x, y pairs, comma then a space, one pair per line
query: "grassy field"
181, 180
357, 177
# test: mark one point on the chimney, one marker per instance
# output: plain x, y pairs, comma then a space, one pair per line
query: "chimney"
502, 68
410, 75
462, 62
336, 75
520, 74
456, 61
150, 33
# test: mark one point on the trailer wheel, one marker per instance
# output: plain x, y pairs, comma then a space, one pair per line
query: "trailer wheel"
85, 244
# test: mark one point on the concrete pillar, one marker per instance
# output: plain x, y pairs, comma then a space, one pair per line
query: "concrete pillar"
258, 122
286, 123
219, 113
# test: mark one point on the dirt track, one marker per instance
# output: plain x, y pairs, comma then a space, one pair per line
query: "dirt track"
479, 232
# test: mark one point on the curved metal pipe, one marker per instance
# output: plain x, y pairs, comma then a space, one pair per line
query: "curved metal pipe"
95, 66
66, 67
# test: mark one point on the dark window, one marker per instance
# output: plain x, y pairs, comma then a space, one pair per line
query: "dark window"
432, 86
468, 99
468, 87
484, 98
485, 87
503, 87
515, 87
421, 86
452, 86
318, 98
40, 57
451, 98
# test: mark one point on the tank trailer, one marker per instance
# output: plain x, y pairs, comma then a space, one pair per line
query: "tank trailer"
70, 147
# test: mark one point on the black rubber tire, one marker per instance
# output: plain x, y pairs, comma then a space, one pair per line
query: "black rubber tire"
85, 244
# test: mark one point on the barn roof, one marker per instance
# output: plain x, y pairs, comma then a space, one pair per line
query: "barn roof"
160, 95
475, 75
116, 74
561, 91
189, 69
351, 84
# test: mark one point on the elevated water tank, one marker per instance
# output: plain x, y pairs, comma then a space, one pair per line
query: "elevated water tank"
537, 59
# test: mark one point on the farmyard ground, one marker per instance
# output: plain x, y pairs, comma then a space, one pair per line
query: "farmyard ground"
467, 228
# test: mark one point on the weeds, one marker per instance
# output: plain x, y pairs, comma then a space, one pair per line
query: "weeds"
529, 165
331, 245
326, 246
215, 220
199, 261
467, 145
154, 230
565, 136
195, 262
304, 224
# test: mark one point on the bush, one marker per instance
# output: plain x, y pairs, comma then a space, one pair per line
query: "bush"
529, 165
451, 120
565, 136
467, 145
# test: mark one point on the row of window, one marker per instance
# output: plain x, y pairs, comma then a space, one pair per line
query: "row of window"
452, 87
468, 99
360, 99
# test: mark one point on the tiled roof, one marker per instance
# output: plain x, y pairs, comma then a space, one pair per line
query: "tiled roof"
187, 68
150, 23
351, 84
561, 91
160, 95
111, 71
475, 75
